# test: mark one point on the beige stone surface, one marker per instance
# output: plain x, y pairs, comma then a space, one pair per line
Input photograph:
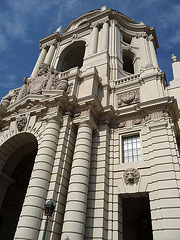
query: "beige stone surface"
114, 89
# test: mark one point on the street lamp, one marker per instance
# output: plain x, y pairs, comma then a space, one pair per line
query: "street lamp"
49, 209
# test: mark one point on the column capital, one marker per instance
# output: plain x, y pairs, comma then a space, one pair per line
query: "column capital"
85, 117
44, 46
94, 25
54, 113
105, 20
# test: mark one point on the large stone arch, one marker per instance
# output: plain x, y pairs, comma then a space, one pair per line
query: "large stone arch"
17, 156
72, 56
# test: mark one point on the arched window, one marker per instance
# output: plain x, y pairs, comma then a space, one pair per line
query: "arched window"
72, 56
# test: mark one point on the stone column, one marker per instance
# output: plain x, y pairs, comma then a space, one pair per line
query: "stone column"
144, 57
75, 213
50, 53
94, 39
33, 207
153, 52
39, 61
105, 37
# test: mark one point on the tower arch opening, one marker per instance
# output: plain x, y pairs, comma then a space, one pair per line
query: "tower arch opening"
72, 56
15, 176
128, 59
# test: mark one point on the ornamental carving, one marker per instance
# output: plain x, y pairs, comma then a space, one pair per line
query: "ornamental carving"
122, 124
60, 85
6, 100
128, 98
47, 79
4, 128
21, 123
137, 121
30, 106
131, 176
44, 81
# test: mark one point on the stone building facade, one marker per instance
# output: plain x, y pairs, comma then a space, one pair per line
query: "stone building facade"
95, 128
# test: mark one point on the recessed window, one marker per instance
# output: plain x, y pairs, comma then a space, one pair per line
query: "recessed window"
128, 62
131, 149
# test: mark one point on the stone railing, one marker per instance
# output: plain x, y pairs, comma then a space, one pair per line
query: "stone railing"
129, 78
71, 71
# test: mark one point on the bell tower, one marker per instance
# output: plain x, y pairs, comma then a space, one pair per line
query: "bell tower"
101, 126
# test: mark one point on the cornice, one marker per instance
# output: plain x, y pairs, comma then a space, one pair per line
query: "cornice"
50, 38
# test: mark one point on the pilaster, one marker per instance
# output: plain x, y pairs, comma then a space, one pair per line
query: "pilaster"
75, 213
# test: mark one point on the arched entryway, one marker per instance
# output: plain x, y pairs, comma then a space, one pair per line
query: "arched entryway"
18, 154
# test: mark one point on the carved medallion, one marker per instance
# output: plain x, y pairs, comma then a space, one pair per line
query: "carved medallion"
131, 176
128, 98
21, 123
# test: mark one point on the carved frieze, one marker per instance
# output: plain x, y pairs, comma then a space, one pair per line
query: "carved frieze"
122, 124
21, 122
131, 176
128, 98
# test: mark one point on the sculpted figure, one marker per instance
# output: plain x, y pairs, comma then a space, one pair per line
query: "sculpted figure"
131, 176
21, 123
45, 79
39, 83
52, 78
24, 89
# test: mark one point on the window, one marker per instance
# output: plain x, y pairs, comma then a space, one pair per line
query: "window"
131, 149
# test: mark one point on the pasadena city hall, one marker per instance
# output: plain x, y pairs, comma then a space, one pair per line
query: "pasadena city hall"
95, 131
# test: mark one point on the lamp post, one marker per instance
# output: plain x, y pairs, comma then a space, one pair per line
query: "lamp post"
49, 209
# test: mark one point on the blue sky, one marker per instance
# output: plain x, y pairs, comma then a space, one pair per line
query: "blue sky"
24, 22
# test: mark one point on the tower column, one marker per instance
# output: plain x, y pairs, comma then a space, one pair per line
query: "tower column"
39, 61
143, 51
32, 211
105, 39
153, 52
75, 213
50, 53
94, 39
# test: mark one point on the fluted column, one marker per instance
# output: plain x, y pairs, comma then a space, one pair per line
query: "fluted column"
50, 53
105, 38
75, 213
153, 52
94, 39
39, 61
32, 211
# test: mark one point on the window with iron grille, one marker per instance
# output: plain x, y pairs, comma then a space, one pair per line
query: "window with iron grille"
131, 149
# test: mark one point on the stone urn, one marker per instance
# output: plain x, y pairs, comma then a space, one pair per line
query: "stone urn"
6, 101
